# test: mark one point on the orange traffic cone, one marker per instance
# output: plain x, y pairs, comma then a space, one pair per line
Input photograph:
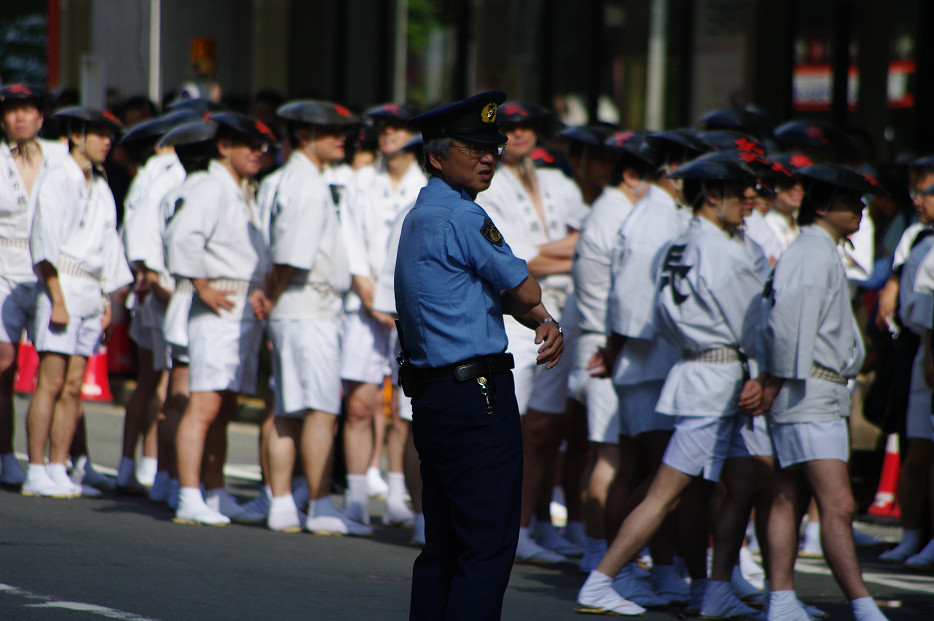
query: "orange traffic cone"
884, 504
96, 385
120, 357
27, 368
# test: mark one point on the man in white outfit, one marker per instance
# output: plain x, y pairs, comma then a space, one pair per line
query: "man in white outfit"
23, 158
311, 275
216, 240
80, 261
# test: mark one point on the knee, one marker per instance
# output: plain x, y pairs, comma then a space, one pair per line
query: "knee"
539, 430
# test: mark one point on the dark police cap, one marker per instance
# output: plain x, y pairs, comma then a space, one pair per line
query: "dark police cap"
473, 120
104, 118
414, 144
315, 112
810, 134
244, 125
682, 138
728, 140
591, 135
716, 166
840, 177
393, 112
191, 132
152, 129
516, 112
21, 92
198, 104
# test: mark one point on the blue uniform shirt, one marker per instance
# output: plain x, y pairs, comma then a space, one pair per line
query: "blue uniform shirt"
451, 266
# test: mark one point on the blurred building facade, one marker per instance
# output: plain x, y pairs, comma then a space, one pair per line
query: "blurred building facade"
640, 63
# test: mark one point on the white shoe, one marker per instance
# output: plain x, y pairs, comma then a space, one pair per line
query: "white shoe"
285, 517
199, 514
221, 501
398, 514
720, 603
146, 471
635, 590
547, 536
13, 474
159, 492
530, 552
326, 519
375, 484
418, 532
597, 596
39, 483
59, 474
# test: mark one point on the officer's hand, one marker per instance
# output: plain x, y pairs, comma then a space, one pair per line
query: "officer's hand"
549, 335
215, 299
750, 397
260, 304
600, 364
60, 318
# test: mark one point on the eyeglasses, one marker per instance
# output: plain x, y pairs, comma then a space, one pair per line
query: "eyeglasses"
476, 151
916, 194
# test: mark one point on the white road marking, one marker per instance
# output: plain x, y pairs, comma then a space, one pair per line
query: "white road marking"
46, 601
908, 582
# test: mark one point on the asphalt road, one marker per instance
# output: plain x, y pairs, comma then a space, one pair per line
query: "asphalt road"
122, 558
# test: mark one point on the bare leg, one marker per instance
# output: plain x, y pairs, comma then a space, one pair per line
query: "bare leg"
540, 440
645, 519
51, 379
153, 416
913, 479
788, 505
133, 420
830, 481
379, 428
396, 437
361, 402
175, 404
729, 525
575, 460
413, 476
605, 459
203, 408
317, 441
7, 372
68, 411
282, 448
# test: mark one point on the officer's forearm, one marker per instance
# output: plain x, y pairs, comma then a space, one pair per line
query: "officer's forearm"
534, 317
522, 299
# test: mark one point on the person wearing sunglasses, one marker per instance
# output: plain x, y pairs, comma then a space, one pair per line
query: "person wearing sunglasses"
215, 239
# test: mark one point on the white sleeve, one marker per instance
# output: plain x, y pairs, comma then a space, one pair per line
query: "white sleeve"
189, 230
51, 220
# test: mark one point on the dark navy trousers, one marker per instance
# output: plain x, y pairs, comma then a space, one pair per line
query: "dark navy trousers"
471, 465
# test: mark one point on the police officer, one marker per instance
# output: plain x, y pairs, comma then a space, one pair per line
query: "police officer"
455, 277
23, 157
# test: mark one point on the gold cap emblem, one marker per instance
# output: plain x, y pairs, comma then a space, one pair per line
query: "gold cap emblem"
488, 115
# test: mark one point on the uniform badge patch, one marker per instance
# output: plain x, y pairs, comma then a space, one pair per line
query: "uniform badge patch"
488, 115
491, 233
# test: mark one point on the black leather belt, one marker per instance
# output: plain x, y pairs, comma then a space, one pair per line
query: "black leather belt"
469, 369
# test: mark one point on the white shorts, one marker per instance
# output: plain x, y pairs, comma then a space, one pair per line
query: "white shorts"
596, 393
800, 442
17, 307
80, 337
306, 363
536, 387
918, 420
637, 413
224, 349
699, 445
751, 437
366, 348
